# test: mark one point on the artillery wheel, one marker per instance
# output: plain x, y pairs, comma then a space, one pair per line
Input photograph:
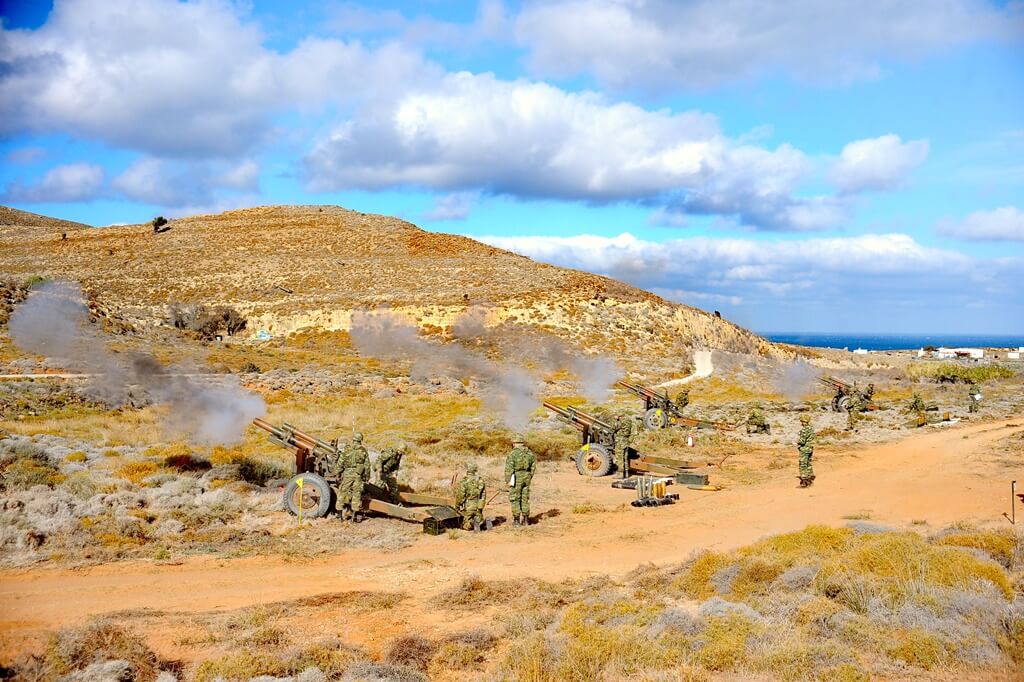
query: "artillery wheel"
593, 460
843, 404
655, 418
315, 498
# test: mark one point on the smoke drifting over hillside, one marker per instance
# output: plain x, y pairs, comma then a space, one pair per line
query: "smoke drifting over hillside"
594, 374
54, 322
507, 389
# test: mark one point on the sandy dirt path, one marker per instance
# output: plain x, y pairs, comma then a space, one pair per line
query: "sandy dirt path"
939, 476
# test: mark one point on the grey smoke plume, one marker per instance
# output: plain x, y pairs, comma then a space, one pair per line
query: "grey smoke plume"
796, 380
595, 374
507, 389
54, 322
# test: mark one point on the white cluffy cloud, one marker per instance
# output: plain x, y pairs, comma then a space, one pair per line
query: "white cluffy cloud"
452, 206
178, 79
700, 43
172, 183
880, 163
810, 272
1001, 224
534, 140
70, 182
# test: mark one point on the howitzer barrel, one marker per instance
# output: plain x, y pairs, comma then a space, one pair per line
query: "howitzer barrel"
576, 417
834, 383
641, 391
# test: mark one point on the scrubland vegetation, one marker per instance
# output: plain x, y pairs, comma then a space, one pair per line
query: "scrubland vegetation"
823, 603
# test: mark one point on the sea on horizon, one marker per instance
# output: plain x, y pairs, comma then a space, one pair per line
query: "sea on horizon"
896, 341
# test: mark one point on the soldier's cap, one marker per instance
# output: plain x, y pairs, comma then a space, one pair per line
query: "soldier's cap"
518, 438
471, 467
357, 437
805, 419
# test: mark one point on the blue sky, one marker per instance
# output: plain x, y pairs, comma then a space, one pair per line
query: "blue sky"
848, 166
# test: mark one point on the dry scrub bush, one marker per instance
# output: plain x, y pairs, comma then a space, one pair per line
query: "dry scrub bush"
23, 465
75, 649
412, 651
955, 372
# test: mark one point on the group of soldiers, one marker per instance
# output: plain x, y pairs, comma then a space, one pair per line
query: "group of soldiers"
353, 470
471, 492
352, 465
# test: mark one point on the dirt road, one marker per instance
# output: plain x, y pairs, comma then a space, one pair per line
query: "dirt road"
934, 477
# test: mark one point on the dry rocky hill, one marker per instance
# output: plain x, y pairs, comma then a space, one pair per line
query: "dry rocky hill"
294, 267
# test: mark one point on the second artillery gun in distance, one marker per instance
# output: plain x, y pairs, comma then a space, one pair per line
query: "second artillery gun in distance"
660, 410
843, 391
597, 443
313, 488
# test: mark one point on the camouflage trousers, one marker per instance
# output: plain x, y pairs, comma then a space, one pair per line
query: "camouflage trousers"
350, 491
519, 494
390, 483
621, 454
851, 419
806, 470
972, 406
472, 512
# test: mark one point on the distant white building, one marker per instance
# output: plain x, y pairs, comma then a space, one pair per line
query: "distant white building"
861, 351
944, 353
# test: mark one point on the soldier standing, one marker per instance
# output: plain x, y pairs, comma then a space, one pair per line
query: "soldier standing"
805, 446
470, 498
852, 410
973, 398
519, 467
387, 470
623, 435
355, 472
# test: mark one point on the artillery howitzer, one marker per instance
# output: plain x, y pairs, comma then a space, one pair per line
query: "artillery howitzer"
314, 488
597, 443
660, 410
841, 399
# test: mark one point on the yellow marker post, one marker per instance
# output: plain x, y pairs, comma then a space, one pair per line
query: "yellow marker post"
298, 483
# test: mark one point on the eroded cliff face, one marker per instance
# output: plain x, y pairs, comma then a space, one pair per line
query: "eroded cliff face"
289, 268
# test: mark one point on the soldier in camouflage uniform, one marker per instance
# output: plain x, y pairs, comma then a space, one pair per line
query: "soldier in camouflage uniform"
470, 498
853, 408
623, 434
805, 446
355, 472
973, 397
387, 469
519, 467
756, 423
683, 399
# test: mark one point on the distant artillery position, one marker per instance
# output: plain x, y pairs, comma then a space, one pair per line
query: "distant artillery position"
845, 394
597, 443
661, 411
314, 487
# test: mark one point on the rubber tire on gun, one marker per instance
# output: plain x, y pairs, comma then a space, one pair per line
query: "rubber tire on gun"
317, 496
595, 461
655, 418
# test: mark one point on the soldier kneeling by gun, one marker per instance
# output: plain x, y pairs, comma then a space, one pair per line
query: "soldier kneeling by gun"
387, 469
470, 498
756, 423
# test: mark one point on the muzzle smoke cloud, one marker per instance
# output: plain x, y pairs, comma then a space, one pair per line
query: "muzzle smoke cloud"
508, 388
595, 374
54, 322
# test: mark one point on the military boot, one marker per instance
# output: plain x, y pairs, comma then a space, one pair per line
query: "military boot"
476, 526
515, 520
524, 520
357, 517
804, 482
